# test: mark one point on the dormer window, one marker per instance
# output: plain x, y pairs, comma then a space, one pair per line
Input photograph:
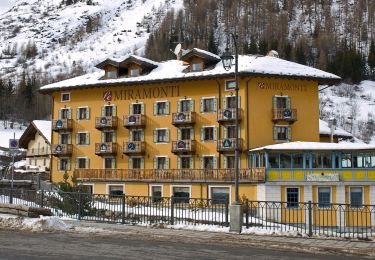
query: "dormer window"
134, 72
111, 74
197, 66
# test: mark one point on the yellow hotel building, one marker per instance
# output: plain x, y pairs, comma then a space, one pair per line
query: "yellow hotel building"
140, 127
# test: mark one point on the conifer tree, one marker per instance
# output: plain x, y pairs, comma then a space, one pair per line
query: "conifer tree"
263, 47
371, 57
212, 47
253, 48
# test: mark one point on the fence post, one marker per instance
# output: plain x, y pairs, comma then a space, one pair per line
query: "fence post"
172, 210
247, 212
42, 200
310, 218
227, 213
11, 196
79, 205
123, 209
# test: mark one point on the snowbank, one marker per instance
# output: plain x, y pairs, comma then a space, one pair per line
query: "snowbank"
33, 224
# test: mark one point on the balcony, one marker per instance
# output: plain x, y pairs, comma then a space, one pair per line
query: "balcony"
183, 146
106, 122
134, 121
284, 114
183, 118
134, 148
228, 145
228, 115
62, 149
106, 148
252, 175
62, 125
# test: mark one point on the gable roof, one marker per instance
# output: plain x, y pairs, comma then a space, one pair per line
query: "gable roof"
206, 55
43, 127
140, 61
107, 62
324, 130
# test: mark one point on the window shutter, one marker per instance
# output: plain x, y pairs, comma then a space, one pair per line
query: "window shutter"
274, 102
69, 114
77, 138
216, 132
224, 162
103, 110
215, 104
167, 107
225, 132
102, 137
275, 133
143, 108
58, 164
87, 138
113, 163
178, 134
178, 163
224, 102
130, 109
143, 135
167, 136
142, 163
288, 104
192, 162
202, 134
70, 139
69, 164
76, 163
114, 110
77, 113
289, 134
192, 134
167, 162
154, 136
201, 162
130, 136
178, 106
114, 137
88, 163
202, 104
154, 163
215, 163
88, 113
155, 108
239, 101
60, 114
191, 105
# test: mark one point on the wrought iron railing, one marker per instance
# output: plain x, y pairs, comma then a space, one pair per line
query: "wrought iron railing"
286, 114
106, 122
134, 121
228, 115
136, 147
183, 118
62, 125
228, 145
105, 148
61, 149
184, 146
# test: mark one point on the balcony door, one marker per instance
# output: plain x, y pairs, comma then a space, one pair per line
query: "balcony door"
185, 106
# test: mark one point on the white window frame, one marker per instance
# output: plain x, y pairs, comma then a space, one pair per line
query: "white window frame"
87, 136
156, 185
115, 184
87, 111
288, 127
226, 84
220, 186
156, 112
111, 72
179, 186
210, 112
210, 155
134, 69
213, 134
166, 130
201, 65
65, 93
89, 184
108, 157
82, 157
161, 156
59, 164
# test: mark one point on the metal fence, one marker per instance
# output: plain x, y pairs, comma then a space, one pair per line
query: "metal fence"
333, 220
124, 209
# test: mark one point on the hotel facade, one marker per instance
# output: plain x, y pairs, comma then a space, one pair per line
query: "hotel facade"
140, 127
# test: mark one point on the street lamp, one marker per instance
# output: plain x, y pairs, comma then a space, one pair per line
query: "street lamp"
236, 211
227, 59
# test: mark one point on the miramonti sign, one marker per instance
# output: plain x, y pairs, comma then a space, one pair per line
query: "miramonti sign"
142, 93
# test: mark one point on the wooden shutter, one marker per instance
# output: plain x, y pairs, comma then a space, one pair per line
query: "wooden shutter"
192, 134
69, 138
289, 131
88, 113
77, 113
103, 110
154, 135
58, 164
143, 108
154, 163
155, 108
215, 104
130, 109
114, 137
201, 162
216, 133
215, 162
167, 107
87, 138
167, 136
202, 134
178, 134
202, 105
288, 104
113, 163
142, 163
275, 133
114, 111
77, 138
239, 101
69, 113
192, 162
178, 163
143, 135
167, 163
69, 164
224, 103
191, 105
225, 132
178, 106
60, 114
130, 136
76, 163
274, 102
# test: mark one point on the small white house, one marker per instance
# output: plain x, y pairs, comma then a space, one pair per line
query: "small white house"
37, 141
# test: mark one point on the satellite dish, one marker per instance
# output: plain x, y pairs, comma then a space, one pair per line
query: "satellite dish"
177, 49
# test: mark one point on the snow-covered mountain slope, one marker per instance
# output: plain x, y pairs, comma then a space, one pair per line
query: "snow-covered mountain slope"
353, 106
50, 38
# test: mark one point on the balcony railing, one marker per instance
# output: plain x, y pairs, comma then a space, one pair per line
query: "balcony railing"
106, 148
228, 115
183, 146
38, 152
62, 149
284, 114
134, 148
228, 144
62, 125
106, 122
131, 121
183, 118
195, 175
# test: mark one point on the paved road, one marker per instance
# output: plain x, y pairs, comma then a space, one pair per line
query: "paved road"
26, 245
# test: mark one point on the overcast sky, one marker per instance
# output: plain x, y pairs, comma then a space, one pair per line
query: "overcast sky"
4, 5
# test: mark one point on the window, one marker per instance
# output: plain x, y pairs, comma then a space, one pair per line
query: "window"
274, 160
82, 163
185, 163
134, 72
208, 105
356, 197
137, 109
220, 195
156, 193
285, 160
322, 160
230, 85
231, 131
197, 67
108, 137
208, 162
137, 163
109, 163
185, 133
185, 106
82, 138
65, 97
64, 164
108, 111
324, 197
298, 160
161, 163
137, 135
281, 102
208, 134
116, 191
161, 135
231, 102
161, 108
292, 197
87, 188
230, 162
112, 74
82, 113
181, 194
282, 133
65, 113
64, 138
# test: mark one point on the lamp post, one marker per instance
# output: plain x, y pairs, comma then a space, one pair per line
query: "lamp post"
236, 211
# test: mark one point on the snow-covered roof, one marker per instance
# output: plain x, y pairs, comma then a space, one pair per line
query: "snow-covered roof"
249, 65
311, 146
325, 130
201, 52
44, 127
